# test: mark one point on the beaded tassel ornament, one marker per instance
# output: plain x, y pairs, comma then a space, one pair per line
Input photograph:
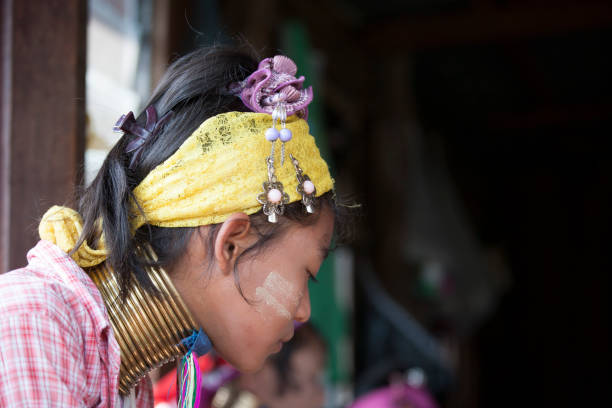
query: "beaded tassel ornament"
273, 198
272, 134
275, 90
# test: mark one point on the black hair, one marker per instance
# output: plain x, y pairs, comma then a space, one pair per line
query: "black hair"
194, 88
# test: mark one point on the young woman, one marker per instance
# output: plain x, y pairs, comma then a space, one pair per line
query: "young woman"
203, 227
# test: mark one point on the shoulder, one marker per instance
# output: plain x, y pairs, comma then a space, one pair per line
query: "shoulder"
31, 292
44, 343
53, 287
52, 283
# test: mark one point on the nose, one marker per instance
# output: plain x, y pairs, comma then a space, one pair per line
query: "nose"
303, 311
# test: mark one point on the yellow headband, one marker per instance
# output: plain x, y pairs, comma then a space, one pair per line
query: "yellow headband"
219, 170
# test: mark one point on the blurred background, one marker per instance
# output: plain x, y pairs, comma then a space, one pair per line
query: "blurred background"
472, 132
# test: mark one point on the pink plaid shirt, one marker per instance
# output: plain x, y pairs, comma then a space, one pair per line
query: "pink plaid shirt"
57, 347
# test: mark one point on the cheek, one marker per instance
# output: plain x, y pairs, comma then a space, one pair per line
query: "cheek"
277, 296
246, 334
238, 334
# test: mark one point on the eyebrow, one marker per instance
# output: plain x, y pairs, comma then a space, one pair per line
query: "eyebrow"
324, 251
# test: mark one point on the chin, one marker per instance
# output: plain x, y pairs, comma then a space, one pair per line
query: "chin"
251, 367
248, 366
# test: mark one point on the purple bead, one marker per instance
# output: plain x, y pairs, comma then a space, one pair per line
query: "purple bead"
285, 135
271, 134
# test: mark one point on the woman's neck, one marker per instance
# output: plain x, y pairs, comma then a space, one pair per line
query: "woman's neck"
149, 328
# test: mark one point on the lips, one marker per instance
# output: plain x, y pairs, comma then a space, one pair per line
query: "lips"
279, 344
287, 338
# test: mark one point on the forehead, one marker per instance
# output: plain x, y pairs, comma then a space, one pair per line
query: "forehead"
316, 234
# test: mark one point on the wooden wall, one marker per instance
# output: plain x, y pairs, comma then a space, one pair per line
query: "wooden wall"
42, 115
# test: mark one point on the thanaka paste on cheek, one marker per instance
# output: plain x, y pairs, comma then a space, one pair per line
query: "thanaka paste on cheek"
275, 293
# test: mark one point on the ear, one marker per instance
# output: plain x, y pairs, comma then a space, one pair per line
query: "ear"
232, 238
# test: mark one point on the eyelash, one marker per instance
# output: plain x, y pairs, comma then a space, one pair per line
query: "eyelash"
311, 277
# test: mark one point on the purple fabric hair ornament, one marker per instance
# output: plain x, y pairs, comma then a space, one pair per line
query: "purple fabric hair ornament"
274, 89
275, 83
127, 124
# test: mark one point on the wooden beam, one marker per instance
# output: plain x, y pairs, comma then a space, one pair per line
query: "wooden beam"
160, 33
42, 116
483, 26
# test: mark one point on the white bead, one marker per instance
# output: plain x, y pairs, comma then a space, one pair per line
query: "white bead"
285, 135
271, 134
274, 196
309, 187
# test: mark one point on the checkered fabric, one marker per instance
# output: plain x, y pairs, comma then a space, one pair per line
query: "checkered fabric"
57, 347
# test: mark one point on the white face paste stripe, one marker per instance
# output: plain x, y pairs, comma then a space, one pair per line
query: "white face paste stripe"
264, 295
273, 288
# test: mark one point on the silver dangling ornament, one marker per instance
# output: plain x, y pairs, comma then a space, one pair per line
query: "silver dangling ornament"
305, 187
273, 198
280, 113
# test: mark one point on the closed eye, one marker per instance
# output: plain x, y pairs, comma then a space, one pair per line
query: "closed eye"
311, 277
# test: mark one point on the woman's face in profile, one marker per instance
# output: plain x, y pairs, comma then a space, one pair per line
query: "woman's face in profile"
245, 328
